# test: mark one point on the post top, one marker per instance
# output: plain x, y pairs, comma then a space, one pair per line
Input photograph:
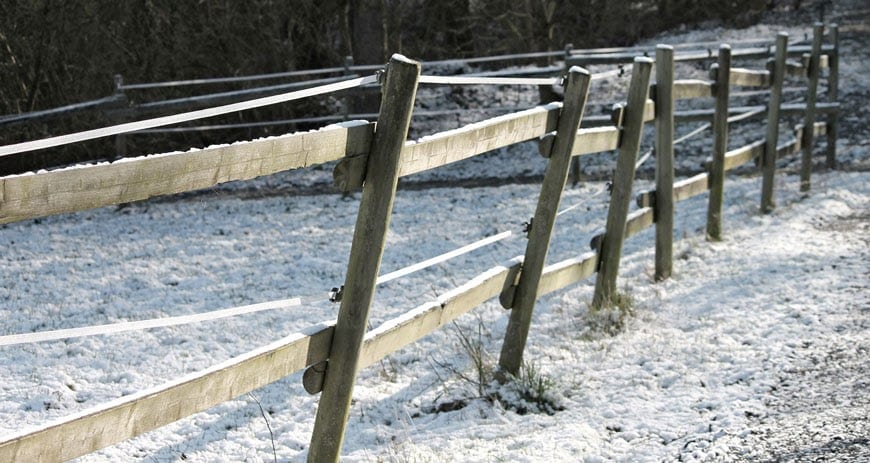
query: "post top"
578, 70
398, 57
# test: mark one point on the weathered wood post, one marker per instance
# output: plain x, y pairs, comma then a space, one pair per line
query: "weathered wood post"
768, 158
120, 140
369, 236
541, 226
720, 144
664, 198
348, 97
810, 115
833, 93
620, 197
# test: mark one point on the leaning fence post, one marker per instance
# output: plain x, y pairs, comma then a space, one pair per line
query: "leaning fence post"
810, 115
541, 226
620, 197
379, 189
664, 198
833, 90
720, 145
768, 159
575, 162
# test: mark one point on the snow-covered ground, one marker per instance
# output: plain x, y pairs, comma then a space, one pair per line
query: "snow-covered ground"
694, 372
756, 349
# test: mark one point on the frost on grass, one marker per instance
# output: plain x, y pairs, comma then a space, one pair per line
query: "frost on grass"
609, 320
531, 390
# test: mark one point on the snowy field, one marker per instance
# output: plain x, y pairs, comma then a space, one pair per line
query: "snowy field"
756, 349
692, 371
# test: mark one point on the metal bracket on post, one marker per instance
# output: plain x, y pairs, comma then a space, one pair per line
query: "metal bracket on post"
336, 294
527, 226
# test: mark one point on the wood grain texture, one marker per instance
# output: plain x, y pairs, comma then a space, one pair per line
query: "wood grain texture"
686, 89
620, 198
367, 248
455, 145
691, 187
561, 274
538, 244
596, 140
133, 415
79, 188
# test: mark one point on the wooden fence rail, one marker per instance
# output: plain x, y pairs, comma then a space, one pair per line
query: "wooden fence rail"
374, 157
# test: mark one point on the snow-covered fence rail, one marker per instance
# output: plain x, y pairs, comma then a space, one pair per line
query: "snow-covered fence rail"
373, 157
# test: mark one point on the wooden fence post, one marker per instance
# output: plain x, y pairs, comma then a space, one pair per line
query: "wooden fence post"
664, 202
620, 197
810, 115
369, 237
768, 158
720, 145
541, 226
833, 93
120, 140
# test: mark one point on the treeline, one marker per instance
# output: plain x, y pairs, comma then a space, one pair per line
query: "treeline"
59, 52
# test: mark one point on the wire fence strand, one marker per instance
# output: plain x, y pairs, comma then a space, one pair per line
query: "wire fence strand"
182, 117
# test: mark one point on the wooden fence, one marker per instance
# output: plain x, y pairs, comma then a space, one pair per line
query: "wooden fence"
373, 157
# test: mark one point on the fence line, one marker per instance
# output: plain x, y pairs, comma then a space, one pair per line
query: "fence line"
375, 157
183, 117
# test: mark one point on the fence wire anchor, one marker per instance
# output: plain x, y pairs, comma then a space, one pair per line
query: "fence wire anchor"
527, 226
335, 294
